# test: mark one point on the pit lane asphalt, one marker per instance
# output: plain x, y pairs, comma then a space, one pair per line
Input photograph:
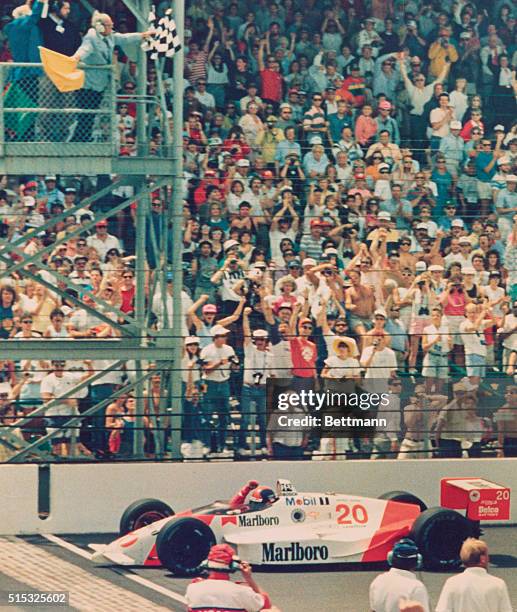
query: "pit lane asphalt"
317, 589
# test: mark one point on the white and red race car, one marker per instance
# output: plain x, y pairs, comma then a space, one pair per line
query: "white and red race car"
293, 528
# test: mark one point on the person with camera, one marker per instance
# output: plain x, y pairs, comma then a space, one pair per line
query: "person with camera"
218, 358
422, 300
217, 593
399, 583
258, 365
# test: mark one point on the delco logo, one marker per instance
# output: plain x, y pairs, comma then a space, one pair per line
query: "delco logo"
258, 521
307, 501
293, 552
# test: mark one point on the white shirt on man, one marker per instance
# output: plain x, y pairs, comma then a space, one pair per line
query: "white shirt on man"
475, 590
213, 353
389, 588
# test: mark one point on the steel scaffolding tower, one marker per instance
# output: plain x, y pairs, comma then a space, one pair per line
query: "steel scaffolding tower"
152, 350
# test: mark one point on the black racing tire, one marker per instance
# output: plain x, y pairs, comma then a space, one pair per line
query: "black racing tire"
439, 534
143, 512
183, 544
404, 497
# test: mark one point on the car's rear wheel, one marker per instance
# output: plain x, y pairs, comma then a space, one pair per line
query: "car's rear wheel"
439, 534
404, 497
183, 544
143, 512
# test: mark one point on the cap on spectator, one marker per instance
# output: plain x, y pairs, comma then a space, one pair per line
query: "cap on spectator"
214, 141
465, 35
411, 23
316, 223
242, 163
316, 140
464, 240
308, 261
499, 128
302, 92
70, 190
191, 340
285, 105
285, 305
511, 178
359, 176
330, 88
295, 263
436, 268
271, 119
380, 312
304, 320
286, 188
348, 342
31, 185
331, 251
267, 174
5, 388
455, 125
219, 330
384, 216
420, 266
102, 223
457, 223
503, 160
50, 177
29, 201
259, 333
209, 309
385, 105
383, 167
422, 226
210, 172
228, 244
415, 59
469, 271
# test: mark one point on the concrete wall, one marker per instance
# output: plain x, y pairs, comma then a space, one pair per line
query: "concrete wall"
91, 498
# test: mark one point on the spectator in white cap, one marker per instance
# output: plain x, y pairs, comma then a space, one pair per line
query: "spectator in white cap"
452, 146
422, 300
506, 206
436, 345
190, 367
230, 278
217, 358
258, 367
315, 161
51, 194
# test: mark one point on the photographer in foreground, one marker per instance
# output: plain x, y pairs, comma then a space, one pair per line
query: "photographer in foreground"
218, 593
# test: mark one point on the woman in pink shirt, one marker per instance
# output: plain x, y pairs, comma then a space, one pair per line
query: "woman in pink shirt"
454, 299
365, 127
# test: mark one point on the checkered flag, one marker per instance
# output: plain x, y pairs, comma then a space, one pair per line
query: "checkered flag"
165, 40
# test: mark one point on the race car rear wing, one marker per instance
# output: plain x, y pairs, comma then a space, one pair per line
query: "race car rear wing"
483, 500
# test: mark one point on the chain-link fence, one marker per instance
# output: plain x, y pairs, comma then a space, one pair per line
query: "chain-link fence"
36, 119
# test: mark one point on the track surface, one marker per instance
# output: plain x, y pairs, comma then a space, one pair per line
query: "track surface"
26, 563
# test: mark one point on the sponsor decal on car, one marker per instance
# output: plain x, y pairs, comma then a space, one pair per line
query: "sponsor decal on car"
298, 515
258, 521
308, 501
228, 519
293, 552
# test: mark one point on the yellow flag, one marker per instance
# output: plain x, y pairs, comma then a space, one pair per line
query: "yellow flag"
62, 70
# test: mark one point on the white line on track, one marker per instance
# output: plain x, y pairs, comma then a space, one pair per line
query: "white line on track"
123, 572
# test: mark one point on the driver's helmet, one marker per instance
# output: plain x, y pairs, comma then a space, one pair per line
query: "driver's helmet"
262, 496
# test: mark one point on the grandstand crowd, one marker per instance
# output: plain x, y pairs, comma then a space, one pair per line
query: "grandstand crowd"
350, 212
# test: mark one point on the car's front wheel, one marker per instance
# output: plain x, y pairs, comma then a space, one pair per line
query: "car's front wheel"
143, 512
183, 544
404, 497
439, 534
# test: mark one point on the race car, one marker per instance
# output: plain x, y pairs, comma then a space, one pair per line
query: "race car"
285, 527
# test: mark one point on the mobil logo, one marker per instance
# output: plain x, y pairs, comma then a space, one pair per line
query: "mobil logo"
304, 500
